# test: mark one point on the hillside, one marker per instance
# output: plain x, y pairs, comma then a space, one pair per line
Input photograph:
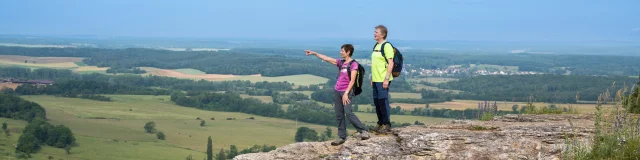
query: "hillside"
507, 137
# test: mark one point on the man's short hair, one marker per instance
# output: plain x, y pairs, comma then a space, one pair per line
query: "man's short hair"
348, 48
383, 29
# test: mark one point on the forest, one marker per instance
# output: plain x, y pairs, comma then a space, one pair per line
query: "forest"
282, 62
542, 88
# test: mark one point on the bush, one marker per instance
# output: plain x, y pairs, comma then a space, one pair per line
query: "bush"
160, 135
618, 141
150, 127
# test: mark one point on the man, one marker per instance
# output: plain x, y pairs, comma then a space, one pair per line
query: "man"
381, 78
343, 92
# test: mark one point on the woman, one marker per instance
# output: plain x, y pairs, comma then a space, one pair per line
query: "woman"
343, 93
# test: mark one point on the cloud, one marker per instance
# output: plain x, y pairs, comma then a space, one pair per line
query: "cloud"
636, 29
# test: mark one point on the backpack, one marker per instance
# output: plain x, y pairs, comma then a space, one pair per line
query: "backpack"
357, 86
397, 60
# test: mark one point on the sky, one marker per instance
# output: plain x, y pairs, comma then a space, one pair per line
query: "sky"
469, 20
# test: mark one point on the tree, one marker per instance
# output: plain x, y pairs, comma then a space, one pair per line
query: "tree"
209, 149
190, 157
202, 123
306, 133
150, 127
327, 132
220, 155
4, 125
160, 135
233, 152
28, 143
68, 149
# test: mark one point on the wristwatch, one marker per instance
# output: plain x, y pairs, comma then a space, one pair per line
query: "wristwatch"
386, 78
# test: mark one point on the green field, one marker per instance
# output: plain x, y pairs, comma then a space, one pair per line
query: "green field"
422, 86
189, 71
184, 135
299, 80
80, 64
405, 95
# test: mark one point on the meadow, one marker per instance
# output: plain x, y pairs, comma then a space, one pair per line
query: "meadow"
117, 127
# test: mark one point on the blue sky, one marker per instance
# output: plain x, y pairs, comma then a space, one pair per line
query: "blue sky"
474, 20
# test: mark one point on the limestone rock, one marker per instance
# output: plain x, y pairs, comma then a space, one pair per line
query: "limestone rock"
506, 137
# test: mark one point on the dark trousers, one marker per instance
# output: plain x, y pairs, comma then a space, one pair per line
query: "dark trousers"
341, 111
381, 101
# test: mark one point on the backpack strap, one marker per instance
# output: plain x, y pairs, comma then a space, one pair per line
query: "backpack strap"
382, 52
340, 64
349, 68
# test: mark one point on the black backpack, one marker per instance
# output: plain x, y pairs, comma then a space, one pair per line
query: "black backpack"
357, 86
397, 60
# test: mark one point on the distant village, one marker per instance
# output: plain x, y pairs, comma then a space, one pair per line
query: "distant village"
467, 71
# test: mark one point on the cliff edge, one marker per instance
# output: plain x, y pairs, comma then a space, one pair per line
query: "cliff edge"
504, 137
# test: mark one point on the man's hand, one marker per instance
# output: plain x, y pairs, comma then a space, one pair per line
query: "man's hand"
385, 84
345, 98
310, 52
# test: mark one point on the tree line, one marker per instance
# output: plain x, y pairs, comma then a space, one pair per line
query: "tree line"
539, 88
224, 62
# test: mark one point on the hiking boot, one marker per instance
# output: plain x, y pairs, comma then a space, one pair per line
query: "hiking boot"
338, 141
364, 135
387, 128
377, 129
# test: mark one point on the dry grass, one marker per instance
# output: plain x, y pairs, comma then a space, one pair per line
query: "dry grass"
506, 106
176, 74
405, 95
21, 59
9, 85
90, 68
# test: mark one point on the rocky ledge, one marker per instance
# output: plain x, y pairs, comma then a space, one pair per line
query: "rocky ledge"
506, 137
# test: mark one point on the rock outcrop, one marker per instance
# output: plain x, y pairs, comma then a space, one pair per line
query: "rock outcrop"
506, 137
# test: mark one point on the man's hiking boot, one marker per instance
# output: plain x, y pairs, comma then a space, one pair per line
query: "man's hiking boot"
377, 129
338, 141
386, 129
364, 135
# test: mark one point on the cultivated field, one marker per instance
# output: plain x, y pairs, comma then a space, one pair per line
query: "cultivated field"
176, 74
35, 45
421, 86
190, 71
405, 95
9, 85
298, 80
39, 62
